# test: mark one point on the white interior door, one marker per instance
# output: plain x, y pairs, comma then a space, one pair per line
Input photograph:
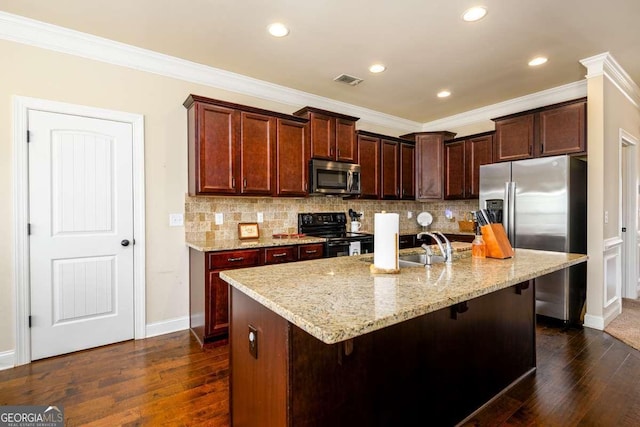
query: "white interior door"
81, 218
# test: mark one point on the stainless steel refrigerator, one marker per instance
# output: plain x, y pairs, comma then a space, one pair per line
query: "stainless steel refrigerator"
542, 204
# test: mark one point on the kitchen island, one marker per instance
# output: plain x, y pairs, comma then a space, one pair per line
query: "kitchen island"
326, 342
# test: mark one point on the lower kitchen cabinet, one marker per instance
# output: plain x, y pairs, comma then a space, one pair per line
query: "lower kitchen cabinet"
209, 295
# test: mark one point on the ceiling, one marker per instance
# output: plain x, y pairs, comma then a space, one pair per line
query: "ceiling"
425, 44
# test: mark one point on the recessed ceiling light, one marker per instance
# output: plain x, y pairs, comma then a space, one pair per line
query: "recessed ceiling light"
537, 61
278, 30
443, 94
377, 68
474, 14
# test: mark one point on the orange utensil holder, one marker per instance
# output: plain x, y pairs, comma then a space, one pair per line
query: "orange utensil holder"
497, 242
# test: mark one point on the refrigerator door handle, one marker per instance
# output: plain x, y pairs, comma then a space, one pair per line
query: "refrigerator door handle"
511, 212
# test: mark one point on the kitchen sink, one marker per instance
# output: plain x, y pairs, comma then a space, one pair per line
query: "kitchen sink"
415, 260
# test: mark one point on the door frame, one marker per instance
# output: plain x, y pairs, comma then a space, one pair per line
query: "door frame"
628, 199
21, 107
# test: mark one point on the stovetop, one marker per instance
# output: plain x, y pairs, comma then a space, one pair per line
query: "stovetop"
331, 225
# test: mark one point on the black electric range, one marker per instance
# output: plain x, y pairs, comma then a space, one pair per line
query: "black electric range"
332, 226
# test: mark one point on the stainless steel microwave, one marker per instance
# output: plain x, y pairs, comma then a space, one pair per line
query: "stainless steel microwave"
327, 177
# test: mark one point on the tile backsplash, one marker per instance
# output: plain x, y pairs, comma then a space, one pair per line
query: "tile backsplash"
280, 215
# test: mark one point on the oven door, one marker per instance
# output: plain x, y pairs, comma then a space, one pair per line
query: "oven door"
334, 248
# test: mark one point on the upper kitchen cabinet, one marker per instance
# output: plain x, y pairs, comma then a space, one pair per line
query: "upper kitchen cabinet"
387, 166
429, 162
369, 161
462, 160
547, 131
332, 135
292, 159
233, 149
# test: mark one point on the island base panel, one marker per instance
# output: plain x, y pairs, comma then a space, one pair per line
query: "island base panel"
439, 367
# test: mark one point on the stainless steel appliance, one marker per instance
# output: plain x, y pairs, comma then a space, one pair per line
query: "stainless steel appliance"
542, 204
327, 177
333, 227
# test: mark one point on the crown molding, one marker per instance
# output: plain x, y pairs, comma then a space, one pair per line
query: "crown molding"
605, 64
535, 100
52, 37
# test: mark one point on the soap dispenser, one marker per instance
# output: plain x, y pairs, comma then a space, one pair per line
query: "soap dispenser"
478, 246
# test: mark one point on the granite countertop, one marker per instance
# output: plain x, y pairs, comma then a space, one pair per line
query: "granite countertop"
336, 299
263, 242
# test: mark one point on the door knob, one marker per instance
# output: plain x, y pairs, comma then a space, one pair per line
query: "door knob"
125, 242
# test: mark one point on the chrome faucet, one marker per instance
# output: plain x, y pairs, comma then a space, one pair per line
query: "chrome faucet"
446, 251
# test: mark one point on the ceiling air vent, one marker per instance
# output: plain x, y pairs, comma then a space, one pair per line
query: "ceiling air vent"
346, 78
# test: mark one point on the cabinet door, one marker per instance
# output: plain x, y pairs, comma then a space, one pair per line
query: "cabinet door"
454, 169
478, 151
292, 158
389, 169
369, 160
407, 171
217, 306
563, 129
429, 159
257, 147
346, 147
514, 138
322, 135
407, 241
212, 136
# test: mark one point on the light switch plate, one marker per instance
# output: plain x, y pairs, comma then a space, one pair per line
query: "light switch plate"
260, 217
219, 219
176, 220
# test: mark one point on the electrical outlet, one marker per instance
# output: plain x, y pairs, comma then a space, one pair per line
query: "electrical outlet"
219, 219
176, 220
409, 214
606, 217
260, 217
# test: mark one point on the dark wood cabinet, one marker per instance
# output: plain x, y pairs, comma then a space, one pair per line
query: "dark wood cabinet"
209, 295
257, 147
468, 352
208, 302
232, 149
389, 169
429, 157
548, 131
462, 160
292, 159
406, 241
387, 166
369, 161
407, 171
332, 135
563, 130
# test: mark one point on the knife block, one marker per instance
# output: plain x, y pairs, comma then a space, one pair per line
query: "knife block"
497, 242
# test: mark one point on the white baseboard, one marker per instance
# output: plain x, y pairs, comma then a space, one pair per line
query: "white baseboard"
7, 359
594, 322
167, 326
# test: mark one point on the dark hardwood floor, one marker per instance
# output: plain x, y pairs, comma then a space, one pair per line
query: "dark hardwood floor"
584, 378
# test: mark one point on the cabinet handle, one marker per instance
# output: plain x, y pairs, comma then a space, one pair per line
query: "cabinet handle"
338, 152
542, 147
459, 308
244, 182
310, 252
279, 255
235, 259
233, 183
530, 149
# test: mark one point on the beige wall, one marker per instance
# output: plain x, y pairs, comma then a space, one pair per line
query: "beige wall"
608, 111
39, 73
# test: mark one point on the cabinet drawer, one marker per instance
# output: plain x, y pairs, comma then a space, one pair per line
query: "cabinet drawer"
233, 259
279, 254
310, 251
